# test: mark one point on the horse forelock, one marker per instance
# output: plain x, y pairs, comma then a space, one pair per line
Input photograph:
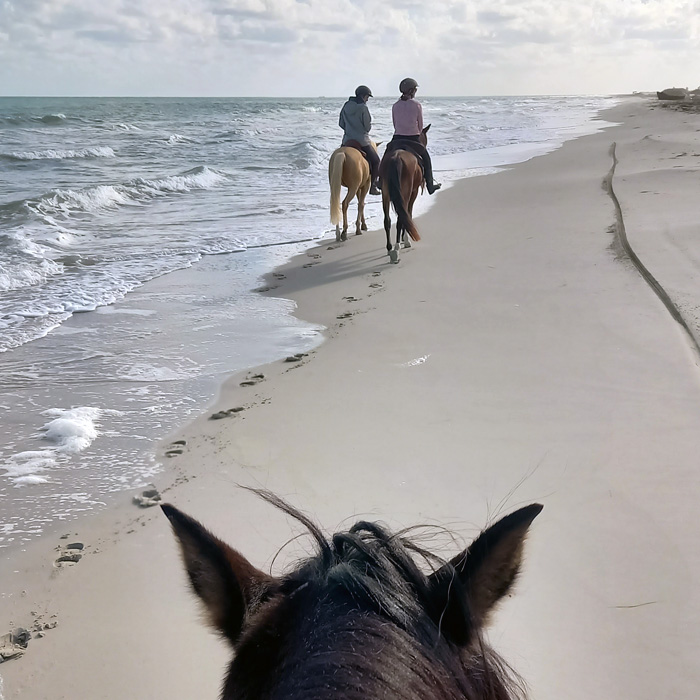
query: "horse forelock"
355, 621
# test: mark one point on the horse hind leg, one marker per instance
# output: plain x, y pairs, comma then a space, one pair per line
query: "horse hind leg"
363, 223
411, 201
360, 224
346, 202
387, 220
394, 252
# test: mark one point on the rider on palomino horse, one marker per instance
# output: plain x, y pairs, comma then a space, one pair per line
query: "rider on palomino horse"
356, 122
407, 114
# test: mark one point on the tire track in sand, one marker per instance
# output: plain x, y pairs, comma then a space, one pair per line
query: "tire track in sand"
621, 236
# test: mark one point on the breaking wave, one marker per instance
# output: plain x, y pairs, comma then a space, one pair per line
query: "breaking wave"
50, 154
99, 198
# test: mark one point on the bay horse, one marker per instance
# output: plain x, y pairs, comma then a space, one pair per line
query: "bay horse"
401, 176
348, 168
360, 619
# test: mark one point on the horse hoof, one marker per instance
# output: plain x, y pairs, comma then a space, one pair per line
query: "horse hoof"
364, 227
343, 236
358, 233
394, 256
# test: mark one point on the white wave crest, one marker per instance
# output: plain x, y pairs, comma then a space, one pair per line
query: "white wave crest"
91, 199
51, 154
19, 275
127, 127
109, 197
197, 179
178, 138
53, 118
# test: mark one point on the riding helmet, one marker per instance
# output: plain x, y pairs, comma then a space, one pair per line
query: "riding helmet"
406, 85
362, 90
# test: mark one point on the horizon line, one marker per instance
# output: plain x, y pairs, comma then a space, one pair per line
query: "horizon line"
328, 97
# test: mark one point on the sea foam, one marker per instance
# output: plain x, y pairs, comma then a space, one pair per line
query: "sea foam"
27, 467
73, 429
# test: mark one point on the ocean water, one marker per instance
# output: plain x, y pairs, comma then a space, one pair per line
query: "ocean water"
132, 235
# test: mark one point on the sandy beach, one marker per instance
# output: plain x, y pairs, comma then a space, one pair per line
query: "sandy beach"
515, 354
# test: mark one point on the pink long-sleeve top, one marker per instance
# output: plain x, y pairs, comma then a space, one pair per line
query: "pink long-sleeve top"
408, 117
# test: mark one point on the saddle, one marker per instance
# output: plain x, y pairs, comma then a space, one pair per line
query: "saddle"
355, 144
407, 145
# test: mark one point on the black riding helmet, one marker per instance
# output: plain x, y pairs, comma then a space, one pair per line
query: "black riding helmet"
362, 90
406, 85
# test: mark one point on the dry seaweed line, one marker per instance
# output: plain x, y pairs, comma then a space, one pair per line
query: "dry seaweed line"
621, 234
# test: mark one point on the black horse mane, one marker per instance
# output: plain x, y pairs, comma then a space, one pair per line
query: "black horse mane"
372, 570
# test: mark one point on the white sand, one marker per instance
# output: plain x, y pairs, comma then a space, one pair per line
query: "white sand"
512, 356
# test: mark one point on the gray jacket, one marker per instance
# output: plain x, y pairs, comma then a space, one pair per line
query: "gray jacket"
355, 121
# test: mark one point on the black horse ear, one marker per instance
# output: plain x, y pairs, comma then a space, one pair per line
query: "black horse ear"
485, 572
227, 583
426, 128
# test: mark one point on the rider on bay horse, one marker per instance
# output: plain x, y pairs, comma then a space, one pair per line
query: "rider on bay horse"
407, 114
356, 122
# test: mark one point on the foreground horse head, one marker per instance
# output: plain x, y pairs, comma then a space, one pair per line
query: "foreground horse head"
349, 168
401, 176
359, 619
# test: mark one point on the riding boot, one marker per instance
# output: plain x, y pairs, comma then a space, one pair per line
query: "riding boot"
375, 188
432, 186
422, 152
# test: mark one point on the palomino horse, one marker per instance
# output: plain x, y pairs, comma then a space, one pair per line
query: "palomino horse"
348, 167
401, 176
359, 619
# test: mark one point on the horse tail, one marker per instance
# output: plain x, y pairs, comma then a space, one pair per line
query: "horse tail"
404, 220
335, 179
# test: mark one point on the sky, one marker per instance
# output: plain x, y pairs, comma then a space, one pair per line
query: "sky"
327, 47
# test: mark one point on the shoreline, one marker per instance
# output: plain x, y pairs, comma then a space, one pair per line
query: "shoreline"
132, 407
550, 408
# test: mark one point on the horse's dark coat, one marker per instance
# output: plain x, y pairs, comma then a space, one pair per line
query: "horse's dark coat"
401, 175
360, 619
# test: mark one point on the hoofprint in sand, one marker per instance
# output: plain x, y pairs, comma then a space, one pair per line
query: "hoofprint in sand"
515, 355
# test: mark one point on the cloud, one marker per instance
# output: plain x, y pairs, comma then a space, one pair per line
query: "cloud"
106, 35
489, 17
326, 46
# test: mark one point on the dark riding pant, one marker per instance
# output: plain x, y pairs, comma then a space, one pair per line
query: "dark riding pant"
373, 158
412, 143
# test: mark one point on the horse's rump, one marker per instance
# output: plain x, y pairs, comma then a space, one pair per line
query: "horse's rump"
335, 180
